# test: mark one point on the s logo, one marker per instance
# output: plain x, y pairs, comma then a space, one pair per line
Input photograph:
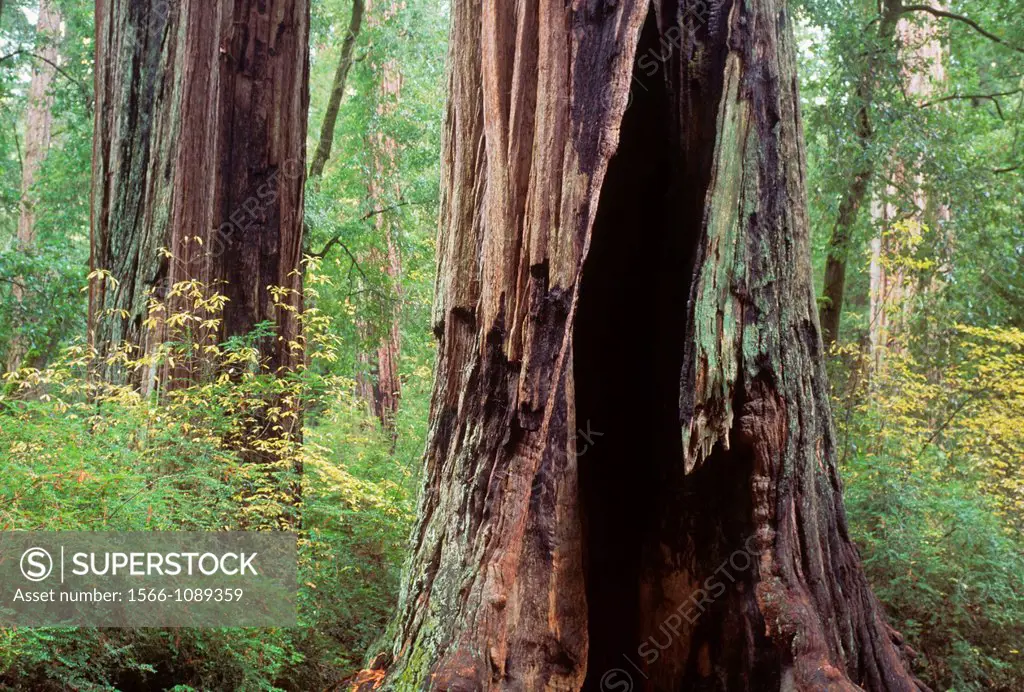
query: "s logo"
36, 564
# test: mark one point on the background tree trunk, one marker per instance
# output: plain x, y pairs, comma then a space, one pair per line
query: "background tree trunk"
834, 288
38, 124
38, 114
891, 288
660, 298
384, 193
199, 147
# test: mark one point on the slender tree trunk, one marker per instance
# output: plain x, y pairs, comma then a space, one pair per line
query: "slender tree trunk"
384, 192
323, 148
892, 289
378, 382
631, 471
38, 115
38, 124
834, 290
199, 148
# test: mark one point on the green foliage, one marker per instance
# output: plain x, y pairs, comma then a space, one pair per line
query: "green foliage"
934, 496
77, 454
82, 455
928, 390
958, 142
359, 202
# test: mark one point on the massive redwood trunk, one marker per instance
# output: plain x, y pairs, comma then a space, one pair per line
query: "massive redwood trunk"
630, 478
199, 148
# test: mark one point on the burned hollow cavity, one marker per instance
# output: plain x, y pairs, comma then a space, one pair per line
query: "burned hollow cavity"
654, 535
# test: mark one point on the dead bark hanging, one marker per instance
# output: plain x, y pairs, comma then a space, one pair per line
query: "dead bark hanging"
645, 274
323, 149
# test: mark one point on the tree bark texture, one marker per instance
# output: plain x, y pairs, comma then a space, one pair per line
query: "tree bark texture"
323, 148
630, 393
199, 148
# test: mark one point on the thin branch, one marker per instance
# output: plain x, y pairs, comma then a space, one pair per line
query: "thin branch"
994, 98
375, 212
15, 282
907, 195
86, 95
936, 12
942, 428
336, 238
17, 147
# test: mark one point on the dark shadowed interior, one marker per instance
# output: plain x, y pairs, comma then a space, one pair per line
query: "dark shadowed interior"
654, 536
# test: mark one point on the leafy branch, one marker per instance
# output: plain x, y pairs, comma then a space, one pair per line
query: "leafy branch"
945, 14
86, 92
994, 98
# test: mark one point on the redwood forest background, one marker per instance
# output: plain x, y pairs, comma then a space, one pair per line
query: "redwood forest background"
914, 126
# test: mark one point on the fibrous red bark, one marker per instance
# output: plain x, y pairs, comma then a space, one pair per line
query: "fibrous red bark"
630, 394
199, 148
383, 190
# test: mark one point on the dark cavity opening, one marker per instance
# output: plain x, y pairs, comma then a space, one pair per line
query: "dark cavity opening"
627, 348
653, 536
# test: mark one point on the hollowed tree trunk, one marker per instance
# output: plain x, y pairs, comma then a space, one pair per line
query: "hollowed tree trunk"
630, 479
199, 148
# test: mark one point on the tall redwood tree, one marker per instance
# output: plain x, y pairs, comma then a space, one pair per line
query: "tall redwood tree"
623, 251
199, 148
